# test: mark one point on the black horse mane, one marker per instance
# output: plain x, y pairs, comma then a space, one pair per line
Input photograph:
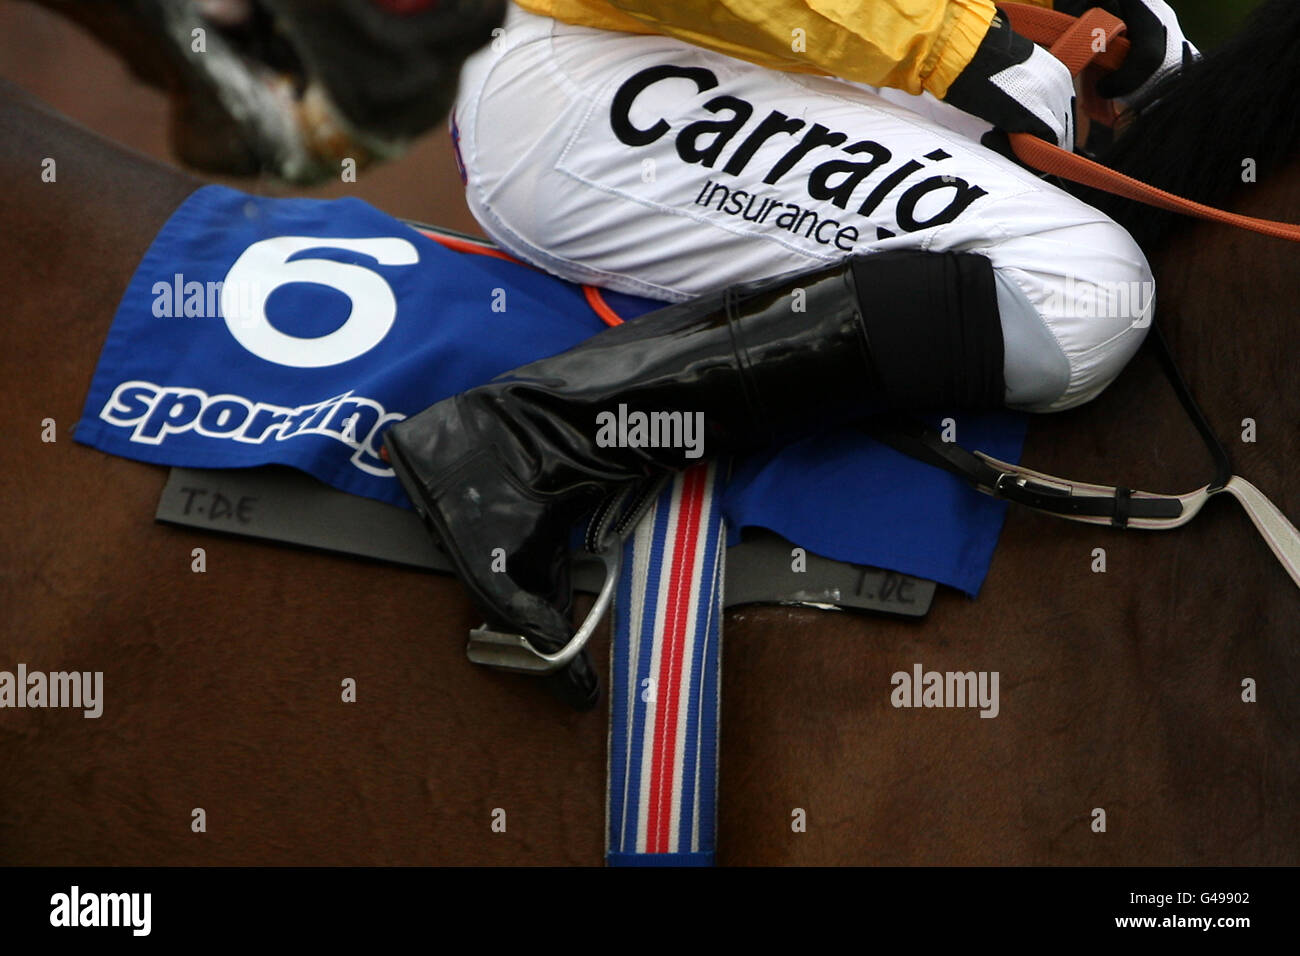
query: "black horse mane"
1198, 129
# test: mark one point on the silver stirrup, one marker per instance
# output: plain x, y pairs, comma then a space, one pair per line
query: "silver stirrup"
610, 525
514, 652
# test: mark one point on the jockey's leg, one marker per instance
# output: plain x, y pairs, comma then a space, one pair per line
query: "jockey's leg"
516, 463
650, 166
646, 165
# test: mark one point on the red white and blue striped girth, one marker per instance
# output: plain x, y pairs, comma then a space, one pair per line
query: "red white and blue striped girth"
664, 684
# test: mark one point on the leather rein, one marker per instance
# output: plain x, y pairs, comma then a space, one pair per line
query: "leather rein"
1096, 41
1074, 42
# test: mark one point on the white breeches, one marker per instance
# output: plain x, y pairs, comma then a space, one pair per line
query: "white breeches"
650, 166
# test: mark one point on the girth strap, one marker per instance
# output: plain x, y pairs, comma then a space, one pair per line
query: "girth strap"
1033, 489
1102, 504
1088, 503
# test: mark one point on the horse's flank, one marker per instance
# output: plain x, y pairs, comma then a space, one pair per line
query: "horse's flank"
1120, 690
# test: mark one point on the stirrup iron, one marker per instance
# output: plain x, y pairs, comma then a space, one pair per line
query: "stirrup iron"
608, 528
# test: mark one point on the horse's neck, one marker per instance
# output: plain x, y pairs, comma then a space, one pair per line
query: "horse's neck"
1227, 300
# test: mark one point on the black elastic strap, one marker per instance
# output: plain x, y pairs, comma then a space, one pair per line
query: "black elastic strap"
933, 327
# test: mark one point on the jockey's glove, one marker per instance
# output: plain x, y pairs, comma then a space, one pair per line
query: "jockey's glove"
1017, 86
1159, 46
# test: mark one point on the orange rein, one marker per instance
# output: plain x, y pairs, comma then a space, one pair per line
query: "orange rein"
1074, 42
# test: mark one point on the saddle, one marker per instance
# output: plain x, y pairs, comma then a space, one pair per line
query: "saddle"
285, 506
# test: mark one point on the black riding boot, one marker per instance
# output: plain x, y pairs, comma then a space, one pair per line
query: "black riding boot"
516, 463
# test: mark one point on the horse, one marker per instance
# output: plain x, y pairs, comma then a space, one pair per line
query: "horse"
1147, 708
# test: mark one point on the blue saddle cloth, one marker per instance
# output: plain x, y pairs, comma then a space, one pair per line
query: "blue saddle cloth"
263, 331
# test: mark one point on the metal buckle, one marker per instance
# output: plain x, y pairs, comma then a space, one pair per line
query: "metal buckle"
514, 652
998, 489
1008, 480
